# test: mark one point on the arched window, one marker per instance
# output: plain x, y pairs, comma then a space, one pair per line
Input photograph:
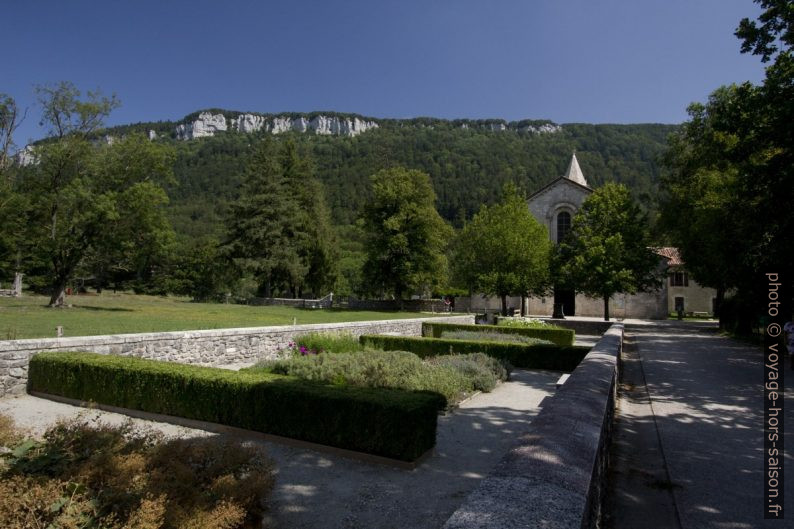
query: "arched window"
563, 225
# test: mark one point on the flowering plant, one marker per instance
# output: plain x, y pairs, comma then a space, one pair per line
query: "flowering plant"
302, 350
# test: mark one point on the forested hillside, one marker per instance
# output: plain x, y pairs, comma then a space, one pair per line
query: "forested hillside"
468, 164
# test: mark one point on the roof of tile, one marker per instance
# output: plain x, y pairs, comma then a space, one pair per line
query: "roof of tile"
671, 254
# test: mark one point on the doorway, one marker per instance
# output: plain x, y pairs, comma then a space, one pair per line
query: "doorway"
568, 299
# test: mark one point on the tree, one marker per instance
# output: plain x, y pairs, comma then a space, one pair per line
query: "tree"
279, 230
314, 237
197, 268
607, 251
10, 120
322, 250
406, 237
731, 167
503, 250
262, 225
83, 195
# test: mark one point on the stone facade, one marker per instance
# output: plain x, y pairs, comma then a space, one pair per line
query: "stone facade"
208, 348
560, 196
645, 305
697, 299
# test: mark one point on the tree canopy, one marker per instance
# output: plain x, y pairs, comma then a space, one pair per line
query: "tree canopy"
608, 250
406, 237
279, 229
88, 199
503, 250
728, 192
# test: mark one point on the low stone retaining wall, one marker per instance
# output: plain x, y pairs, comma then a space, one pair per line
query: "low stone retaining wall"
211, 347
554, 477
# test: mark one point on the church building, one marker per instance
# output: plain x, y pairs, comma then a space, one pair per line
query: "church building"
554, 206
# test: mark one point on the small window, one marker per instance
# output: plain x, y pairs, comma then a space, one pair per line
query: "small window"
563, 225
679, 279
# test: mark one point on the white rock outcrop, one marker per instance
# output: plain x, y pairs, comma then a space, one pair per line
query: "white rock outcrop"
26, 156
546, 128
340, 126
206, 124
280, 124
248, 123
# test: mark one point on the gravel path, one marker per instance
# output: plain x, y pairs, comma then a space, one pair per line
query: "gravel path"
319, 490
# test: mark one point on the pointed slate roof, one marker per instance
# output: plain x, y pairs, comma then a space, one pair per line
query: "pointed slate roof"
574, 172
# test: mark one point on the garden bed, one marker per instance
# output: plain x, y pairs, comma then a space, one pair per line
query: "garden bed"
555, 357
556, 335
393, 423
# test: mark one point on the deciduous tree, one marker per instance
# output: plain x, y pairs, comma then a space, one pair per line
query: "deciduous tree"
406, 236
85, 196
503, 250
608, 250
728, 191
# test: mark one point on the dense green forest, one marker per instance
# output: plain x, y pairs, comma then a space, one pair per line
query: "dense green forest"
467, 163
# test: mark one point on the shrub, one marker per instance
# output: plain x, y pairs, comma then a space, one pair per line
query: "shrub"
550, 333
555, 357
483, 370
526, 323
489, 336
393, 369
8, 431
318, 342
96, 475
388, 422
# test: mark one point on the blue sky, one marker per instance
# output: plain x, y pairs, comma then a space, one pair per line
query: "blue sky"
569, 61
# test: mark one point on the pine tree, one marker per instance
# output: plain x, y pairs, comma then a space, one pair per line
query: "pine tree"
261, 226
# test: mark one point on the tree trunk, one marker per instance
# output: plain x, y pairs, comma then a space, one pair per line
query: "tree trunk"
524, 306
718, 302
504, 304
58, 298
606, 308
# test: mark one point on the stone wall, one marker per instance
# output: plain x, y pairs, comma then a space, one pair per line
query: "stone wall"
210, 348
646, 305
554, 476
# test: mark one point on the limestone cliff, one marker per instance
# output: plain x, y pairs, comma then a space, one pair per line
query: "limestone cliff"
207, 124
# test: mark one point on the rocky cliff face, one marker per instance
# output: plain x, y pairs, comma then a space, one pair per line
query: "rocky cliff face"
26, 156
546, 128
207, 124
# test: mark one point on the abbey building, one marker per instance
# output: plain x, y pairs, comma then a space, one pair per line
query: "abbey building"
555, 206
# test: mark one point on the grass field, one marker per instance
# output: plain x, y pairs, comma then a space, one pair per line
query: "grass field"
117, 313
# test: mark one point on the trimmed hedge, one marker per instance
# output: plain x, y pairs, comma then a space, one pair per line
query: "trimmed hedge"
388, 422
556, 357
556, 336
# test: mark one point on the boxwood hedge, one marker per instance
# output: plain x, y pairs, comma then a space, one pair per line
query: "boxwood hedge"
556, 357
556, 336
393, 423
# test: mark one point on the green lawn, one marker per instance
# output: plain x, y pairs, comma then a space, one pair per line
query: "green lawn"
109, 313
